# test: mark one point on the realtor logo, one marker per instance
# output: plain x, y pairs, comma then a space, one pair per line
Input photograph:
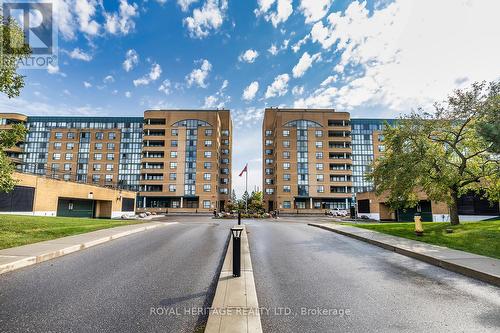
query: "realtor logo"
36, 19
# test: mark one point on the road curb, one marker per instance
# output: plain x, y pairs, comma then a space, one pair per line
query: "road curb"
235, 307
20, 261
445, 264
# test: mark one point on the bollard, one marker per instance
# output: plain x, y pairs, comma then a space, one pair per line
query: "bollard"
236, 233
239, 218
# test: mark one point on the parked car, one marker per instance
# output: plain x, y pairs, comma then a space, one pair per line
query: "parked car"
338, 212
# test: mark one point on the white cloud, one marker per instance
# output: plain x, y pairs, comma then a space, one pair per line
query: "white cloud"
279, 87
65, 18
304, 64
131, 59
314, 10
298, 90
199, 75
87, 84
405, 55
52, 69
283, 10
165, 87
207, 18
219, 99
248, 56
296, 47
329, 80
153, 75
109, 79
128, 94
250, 91
80, 55
210, 101
273, 50
85, 10
248, 117
121, 22
184, 4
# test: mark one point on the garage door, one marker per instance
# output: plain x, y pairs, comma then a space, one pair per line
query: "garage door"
75, 208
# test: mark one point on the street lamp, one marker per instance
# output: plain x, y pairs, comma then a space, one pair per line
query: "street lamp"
236, 233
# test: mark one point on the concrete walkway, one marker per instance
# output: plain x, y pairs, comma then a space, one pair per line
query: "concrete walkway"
473, 265
26, 255
235, 307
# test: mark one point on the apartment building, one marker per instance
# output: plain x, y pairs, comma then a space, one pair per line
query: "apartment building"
186, 161
307, 160
15, 153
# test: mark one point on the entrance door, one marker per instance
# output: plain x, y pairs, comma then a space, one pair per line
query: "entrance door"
75, 208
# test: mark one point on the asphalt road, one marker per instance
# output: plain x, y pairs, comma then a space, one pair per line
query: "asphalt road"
309, 279
125, 285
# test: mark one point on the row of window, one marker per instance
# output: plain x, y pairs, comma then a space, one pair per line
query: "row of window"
72, 135
71, 146
319, 189
69, 156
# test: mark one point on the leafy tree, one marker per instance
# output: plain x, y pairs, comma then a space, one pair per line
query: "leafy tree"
256, 203
8, 138
13, 50
442, 153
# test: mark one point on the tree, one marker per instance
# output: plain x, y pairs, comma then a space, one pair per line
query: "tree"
442, 153
14, 49
256, 203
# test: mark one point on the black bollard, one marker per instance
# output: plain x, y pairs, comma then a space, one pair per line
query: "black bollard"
236, 233
239, 218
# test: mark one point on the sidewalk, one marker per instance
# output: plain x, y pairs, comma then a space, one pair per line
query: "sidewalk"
26, 255
235, 307
472, 265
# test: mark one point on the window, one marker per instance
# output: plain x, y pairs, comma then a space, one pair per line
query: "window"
111, 146
96, 178
287, 204
207, 176
321, 189
286, 176
173, 165
97, 157
207, 154
208, 132
110, 157
207, 188
207, 165
319, 144
225, 142
70, 135
269, 151
173, 143
66, 177
286, 155
318, 133
269, 171
208, 143
286, 132
286, 166
269, 161
287, 188
319, 156
225, 151
57, 145
269, 191
70, 146
225, 132
98, 146
269, 142
269, 132
68, 157
223, 190
171, 188
109, 178
300, 204
99, 135
174, 132
224, 171
319, 166
172, 176
67, 166
96, 167
55, 167
269, 181
111, 135
320, 178
109, 167
58, 135
173, 154
206, 204
286, 144
56, 156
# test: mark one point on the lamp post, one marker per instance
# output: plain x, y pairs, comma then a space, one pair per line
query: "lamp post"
236, 233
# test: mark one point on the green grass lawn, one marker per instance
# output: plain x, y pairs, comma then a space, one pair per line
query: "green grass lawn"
475, 237
16, 230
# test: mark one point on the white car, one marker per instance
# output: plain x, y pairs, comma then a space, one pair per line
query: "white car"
338, 212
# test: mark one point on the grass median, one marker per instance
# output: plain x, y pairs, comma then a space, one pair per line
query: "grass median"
17, 230
475, 237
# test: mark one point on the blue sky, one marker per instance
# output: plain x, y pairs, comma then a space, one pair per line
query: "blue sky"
374, 59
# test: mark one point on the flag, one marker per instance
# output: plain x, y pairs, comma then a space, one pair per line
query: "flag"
245, 169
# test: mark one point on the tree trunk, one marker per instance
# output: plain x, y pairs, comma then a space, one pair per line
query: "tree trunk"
454, 219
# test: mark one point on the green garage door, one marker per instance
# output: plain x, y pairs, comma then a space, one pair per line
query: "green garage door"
75, 208
407, 215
